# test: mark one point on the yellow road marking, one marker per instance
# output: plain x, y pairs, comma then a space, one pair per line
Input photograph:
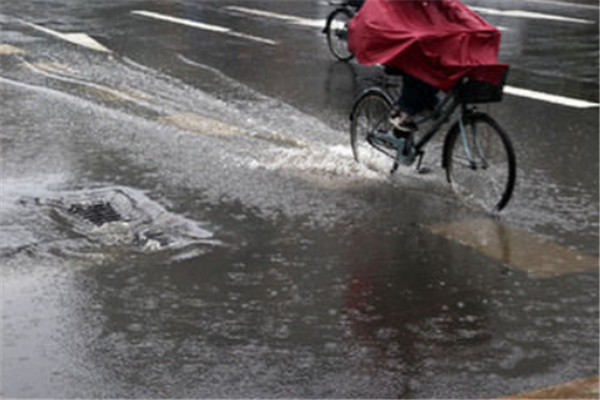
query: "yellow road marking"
53, 67
579, 389
325, 180
107, 94
137, 94
279, 140
111, 94
7, 49
201, 124
522, 250
58, 71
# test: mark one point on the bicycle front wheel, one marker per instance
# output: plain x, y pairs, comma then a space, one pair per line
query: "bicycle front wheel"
369, 116
337, 33
480, 162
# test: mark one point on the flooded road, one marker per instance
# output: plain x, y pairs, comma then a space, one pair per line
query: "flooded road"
181, 215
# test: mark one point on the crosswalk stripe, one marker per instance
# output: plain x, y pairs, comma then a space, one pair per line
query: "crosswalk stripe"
535, 255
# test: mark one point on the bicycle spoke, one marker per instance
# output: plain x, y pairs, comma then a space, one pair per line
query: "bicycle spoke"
370, 114
481, 169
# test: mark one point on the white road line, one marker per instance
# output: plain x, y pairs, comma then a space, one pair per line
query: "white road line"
200, 25
565, 4
549, 98
315, 23
80, 39
530, 15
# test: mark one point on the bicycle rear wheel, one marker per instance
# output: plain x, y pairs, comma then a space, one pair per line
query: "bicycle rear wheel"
370, 115
481, 164
337, 33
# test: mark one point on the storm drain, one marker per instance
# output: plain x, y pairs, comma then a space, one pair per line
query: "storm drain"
122, 216
97, 213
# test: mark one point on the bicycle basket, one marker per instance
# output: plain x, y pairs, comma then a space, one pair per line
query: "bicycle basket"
477, 91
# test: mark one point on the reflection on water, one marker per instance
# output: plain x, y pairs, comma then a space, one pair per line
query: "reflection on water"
291, 310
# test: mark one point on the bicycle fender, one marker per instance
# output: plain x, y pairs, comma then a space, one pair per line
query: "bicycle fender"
367, 92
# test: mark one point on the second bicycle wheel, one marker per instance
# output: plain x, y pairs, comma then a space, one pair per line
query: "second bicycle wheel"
370, 115
337, 33
480, 164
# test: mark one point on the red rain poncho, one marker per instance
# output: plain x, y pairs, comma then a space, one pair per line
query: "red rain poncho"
437, 41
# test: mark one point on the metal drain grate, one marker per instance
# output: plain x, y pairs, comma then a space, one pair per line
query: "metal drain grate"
98, 213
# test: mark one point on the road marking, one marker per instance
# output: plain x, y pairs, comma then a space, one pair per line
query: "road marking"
56, 71
80, 39
108, 94
201, 25
134, 93
530, 15
7, 49
549, 98
586, 388
565, 4
53, 67
315, 23
201, 124
532, 254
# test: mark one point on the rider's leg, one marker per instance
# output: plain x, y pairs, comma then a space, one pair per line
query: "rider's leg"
416, 96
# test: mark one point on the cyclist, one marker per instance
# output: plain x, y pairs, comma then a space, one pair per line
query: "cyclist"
434, 44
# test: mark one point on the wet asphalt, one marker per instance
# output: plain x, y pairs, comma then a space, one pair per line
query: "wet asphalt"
249, 256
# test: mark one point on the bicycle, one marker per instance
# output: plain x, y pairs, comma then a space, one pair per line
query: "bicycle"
336, 27
477, 153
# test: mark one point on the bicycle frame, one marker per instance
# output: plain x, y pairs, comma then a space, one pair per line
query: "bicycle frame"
474, 140
440, 115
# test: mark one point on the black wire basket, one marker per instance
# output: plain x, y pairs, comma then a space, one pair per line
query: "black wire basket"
474, 91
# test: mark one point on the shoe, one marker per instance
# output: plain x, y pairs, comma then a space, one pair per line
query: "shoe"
402, 123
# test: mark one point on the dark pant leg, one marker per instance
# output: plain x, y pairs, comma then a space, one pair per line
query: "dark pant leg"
416, 95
